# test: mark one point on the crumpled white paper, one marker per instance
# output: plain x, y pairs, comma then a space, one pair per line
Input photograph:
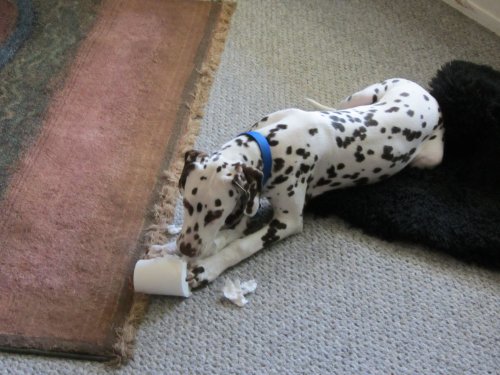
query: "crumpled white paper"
173, 229
235, 291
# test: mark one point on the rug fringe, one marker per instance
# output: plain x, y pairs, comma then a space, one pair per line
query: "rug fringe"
163, 210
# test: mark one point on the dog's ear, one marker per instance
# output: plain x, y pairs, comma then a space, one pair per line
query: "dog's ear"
189, 158
252, 186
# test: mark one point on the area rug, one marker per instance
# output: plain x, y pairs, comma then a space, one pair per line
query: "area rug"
454, 208
96, 101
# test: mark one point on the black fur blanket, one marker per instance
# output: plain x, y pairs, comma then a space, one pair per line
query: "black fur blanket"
455, 207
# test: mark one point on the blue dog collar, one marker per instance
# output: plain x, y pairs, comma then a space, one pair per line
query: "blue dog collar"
265, 151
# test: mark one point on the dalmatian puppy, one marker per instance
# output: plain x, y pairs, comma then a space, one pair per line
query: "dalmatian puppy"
372, 135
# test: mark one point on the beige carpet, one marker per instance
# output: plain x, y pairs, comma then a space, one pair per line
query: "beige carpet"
331, 300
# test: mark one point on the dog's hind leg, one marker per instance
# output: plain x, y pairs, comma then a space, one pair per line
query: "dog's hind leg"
430, 152
369, 95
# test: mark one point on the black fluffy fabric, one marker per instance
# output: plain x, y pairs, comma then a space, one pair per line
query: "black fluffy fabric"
455, 207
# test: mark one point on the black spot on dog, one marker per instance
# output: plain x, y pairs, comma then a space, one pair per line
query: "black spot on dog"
212, 215
392, 109
351, 176
289, 150
271, 235
361, 181
346, 141
273, 143
289, 170
411, 135
313, 131
188, 207
410, 113
395, 130
199, 207
340, 166
338, 126
331, 172
370, 152
404, 94
359, 155
374, 99
387, 153
377, 170
279, 180
194, 191
302, 152
360, 133
279, 163
369, 121
304, 168
322, 182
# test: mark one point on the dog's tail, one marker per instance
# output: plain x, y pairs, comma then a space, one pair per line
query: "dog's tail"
319, 105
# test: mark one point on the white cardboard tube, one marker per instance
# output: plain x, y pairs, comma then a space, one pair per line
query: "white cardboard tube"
166, 275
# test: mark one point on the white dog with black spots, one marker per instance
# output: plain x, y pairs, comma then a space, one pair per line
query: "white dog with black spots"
372, 135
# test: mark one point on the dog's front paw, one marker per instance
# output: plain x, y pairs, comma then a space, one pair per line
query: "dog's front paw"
200, 274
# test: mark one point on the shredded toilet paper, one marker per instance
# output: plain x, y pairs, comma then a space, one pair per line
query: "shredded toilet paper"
235, 291
173, 229
156, 251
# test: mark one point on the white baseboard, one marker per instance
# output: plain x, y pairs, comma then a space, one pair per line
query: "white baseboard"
484, 12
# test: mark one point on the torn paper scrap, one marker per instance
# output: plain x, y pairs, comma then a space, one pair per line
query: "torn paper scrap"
173, 229
235, 291
169, 248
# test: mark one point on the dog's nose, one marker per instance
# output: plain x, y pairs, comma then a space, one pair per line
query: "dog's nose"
188, 250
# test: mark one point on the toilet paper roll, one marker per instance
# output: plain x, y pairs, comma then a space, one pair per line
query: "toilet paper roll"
165, 275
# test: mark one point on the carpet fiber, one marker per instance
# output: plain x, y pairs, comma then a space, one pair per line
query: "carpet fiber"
331, 300
93, 107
